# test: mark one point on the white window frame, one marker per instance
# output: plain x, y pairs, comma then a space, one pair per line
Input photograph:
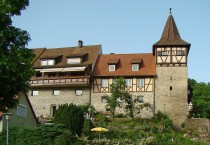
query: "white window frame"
135, 67
140, 82
56, 92
104, 83
112, 67
35, 93
78, 92
50, 62
129, 82
74, 60
45, 62
21, 110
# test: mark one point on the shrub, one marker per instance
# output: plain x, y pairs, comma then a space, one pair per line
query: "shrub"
101, 120
43, 135
161, 117
71, 116
88, 125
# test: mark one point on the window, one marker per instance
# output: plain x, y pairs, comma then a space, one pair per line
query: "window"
170, 88
140, 82
128, 82
52, 110
78, 92
35, 93
135, 67
164, 53
112, 67
104, 83
47, 62
180, 52
21, 110
56, 92
76, 60
103, 99
161, 53
140, 99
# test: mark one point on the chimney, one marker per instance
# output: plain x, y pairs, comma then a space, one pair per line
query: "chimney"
80, 44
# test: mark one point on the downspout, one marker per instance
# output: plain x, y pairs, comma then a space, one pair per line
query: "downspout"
154, 96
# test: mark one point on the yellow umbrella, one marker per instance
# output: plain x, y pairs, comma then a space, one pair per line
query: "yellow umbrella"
99, 129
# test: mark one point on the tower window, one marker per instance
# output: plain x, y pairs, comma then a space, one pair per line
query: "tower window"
180, 52
170, 88
164, 53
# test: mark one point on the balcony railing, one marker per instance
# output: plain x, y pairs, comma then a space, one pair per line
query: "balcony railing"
54, 81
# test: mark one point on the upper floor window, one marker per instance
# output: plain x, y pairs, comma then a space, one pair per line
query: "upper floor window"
140, 82
21, 110
104, 83
112, 67
47, 62
135, 67
128, 82
74, 60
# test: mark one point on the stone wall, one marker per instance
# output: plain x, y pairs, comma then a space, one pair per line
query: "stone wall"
171, 92
42, 103
101, 107
198, 124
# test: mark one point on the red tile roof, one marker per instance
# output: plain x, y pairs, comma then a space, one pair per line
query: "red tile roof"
124, 66
90, 52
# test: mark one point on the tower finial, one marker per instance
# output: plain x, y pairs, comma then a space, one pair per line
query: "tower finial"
170, 11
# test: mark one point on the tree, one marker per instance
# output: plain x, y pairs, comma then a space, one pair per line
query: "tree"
201, 100
15, 59
71, 116
117, 91
192, 82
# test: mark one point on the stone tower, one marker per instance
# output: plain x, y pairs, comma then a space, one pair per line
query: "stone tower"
171, 53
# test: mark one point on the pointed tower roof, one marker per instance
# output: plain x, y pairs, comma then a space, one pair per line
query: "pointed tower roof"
170, 35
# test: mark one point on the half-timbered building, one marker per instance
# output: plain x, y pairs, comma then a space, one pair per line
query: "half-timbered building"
82, 74
138, 70
159, 78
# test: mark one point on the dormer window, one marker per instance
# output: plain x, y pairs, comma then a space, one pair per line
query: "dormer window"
45, 62
135, 67
74, 60
112, 67
113, 63
50, 60
136, 62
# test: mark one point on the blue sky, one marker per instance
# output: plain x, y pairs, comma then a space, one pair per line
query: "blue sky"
120, 26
